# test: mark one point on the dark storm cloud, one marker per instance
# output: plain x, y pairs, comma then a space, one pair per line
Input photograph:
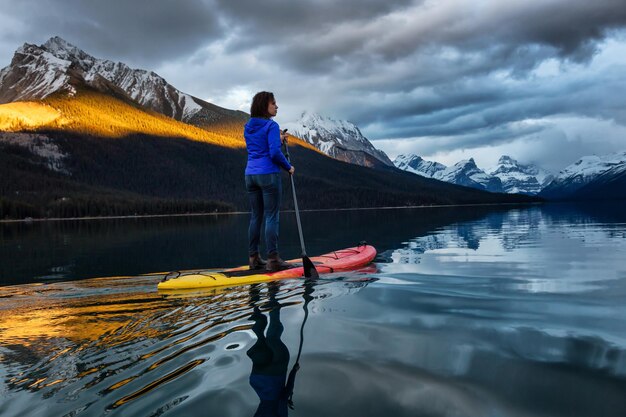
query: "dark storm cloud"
348, 39
478, 105
291, 31
276, 21
322, 37
139, 31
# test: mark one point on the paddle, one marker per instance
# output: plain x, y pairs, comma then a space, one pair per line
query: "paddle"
309, 268
308, 290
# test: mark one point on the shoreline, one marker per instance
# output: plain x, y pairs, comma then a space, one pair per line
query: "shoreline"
238, 213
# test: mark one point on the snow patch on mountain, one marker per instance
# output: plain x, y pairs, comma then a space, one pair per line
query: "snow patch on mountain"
189, 105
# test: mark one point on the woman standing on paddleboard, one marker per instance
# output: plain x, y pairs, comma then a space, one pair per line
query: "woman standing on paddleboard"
263, 183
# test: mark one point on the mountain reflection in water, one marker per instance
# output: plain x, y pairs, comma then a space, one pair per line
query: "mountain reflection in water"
469, 312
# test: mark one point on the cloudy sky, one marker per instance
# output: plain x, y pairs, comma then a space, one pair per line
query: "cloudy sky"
541, 80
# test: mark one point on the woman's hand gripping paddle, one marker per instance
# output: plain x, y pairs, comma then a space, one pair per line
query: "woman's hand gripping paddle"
309, 268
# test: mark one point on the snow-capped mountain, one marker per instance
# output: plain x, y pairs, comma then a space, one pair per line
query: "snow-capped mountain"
519, 178
508, 176
584, 173
338, 138
57, 66
418, 165
466, 173
610, 185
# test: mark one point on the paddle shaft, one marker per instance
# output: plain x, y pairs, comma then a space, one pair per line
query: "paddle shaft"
295, 204
308, 290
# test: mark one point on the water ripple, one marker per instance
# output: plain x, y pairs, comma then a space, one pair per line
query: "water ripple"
123, 344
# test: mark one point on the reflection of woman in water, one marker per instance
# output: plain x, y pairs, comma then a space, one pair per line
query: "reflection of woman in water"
270, 356
270, 359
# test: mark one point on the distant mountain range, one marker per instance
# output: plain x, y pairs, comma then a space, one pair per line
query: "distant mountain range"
591, 177
81, 136
508, 176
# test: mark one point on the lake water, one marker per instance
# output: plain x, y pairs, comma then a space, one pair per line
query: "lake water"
470, 311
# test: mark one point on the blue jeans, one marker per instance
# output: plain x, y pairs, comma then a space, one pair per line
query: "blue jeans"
265, 193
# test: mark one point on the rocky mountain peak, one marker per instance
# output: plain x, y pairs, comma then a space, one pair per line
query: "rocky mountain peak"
308, 117
466, 173
404, 161
465, 165
25, 49
57, 66
520, 178
340, 139
340, 129
506, 160
34, 73
62, 49
58, 43
418, 165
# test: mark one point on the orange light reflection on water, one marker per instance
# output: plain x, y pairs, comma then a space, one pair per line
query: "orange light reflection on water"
51, 335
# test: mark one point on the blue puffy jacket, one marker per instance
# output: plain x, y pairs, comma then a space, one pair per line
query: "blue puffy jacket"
263, 143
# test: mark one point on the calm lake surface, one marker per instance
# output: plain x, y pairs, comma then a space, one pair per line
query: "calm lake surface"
470, 311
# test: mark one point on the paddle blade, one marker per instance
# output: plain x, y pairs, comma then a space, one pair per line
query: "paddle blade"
309, 268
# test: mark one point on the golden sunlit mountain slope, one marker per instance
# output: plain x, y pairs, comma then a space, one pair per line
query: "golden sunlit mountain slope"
98, 114
27, 115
